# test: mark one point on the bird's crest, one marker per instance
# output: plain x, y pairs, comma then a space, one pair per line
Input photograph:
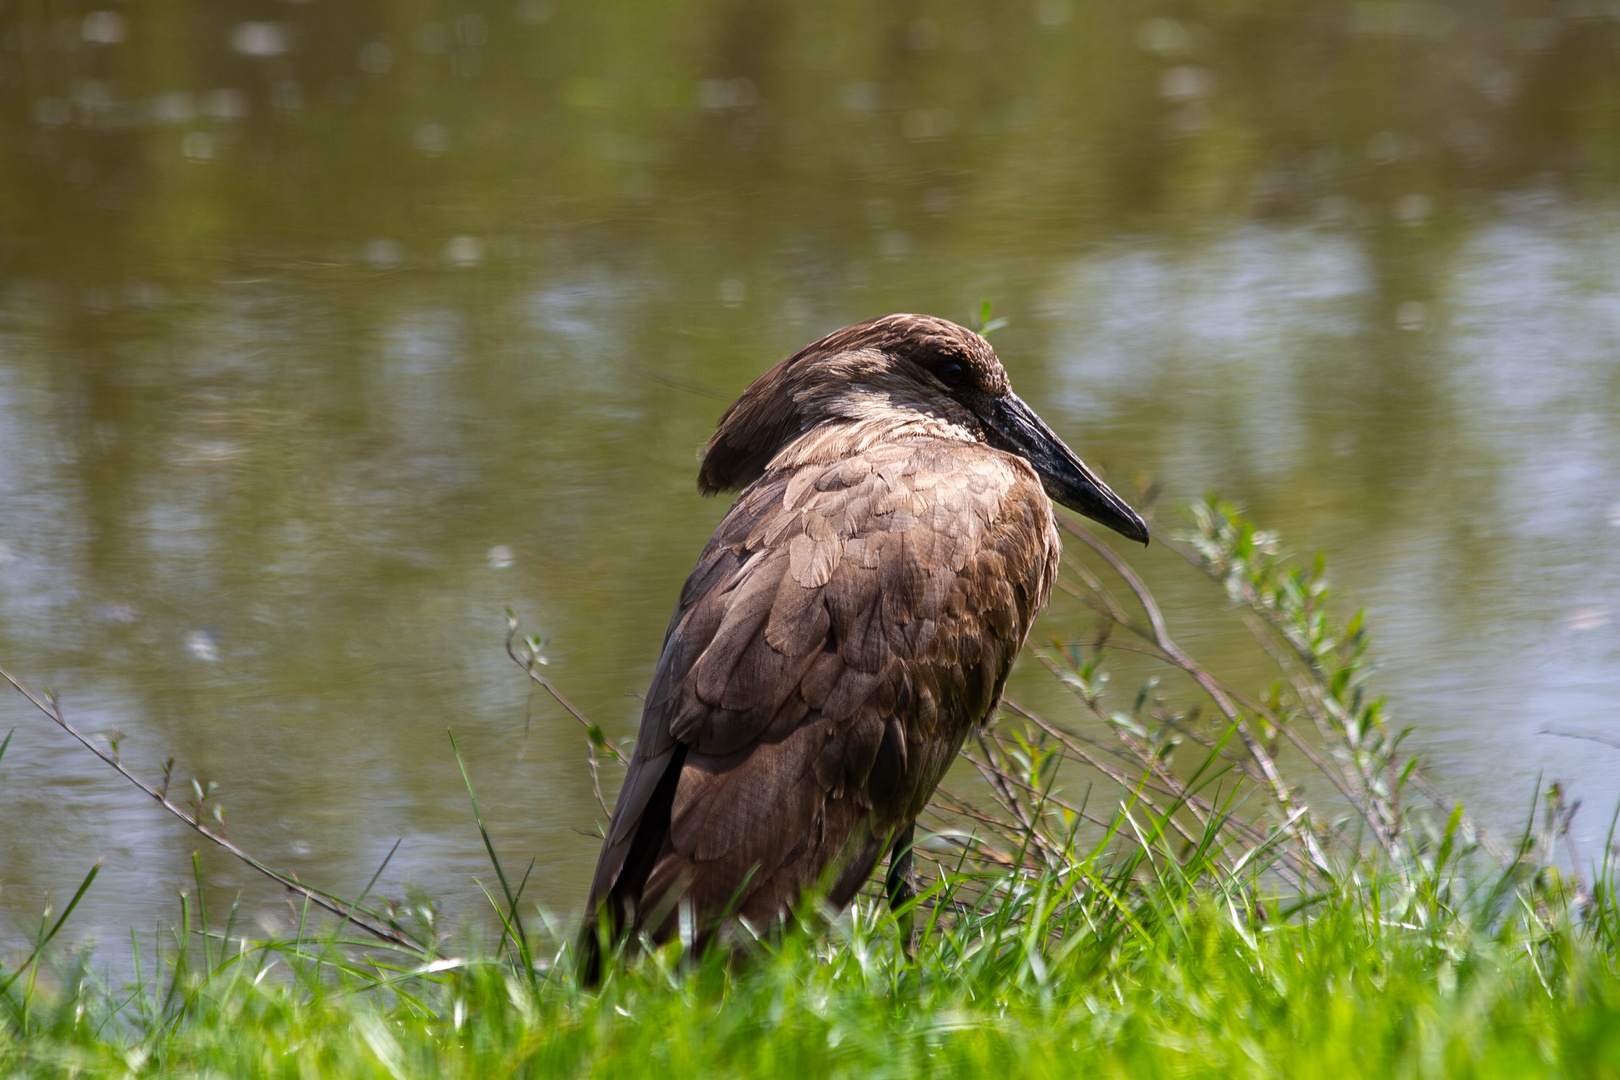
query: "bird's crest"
793, 396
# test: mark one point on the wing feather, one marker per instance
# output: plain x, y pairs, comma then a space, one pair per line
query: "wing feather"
847, 625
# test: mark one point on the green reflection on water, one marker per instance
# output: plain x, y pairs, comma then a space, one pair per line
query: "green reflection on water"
329, 331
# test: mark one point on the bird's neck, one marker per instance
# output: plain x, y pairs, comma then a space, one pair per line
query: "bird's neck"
844, 437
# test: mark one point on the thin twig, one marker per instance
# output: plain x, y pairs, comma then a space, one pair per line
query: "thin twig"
527, 664
388, 933
596, 777
1161, 637
1576, 735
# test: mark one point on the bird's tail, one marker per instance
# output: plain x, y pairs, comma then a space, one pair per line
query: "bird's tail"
588, 954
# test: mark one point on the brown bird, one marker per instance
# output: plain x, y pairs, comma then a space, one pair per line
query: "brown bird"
852, 619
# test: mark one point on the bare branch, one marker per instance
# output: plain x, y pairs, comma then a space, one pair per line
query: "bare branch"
527, 663
389, 933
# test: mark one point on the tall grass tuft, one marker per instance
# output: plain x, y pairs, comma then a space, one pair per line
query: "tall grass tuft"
1200, 918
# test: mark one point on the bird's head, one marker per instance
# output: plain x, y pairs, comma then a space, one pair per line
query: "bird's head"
894, 374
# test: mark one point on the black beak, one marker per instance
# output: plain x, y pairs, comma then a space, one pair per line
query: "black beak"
1013, 426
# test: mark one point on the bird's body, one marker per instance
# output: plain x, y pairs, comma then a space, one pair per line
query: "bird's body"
852, 619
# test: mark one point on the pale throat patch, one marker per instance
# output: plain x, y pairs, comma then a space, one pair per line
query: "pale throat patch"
876, 425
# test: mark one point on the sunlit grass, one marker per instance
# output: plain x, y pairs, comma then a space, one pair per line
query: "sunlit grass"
1171, 977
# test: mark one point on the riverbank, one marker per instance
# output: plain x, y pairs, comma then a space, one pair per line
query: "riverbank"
1208, 916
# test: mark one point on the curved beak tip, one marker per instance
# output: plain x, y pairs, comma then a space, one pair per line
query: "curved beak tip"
1082, 492
1120, 518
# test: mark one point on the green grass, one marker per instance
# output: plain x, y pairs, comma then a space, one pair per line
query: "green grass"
1177, 980
1207, 923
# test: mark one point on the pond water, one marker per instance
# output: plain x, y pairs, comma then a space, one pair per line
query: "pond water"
328, 332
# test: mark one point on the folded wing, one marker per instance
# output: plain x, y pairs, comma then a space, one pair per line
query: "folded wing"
847, 625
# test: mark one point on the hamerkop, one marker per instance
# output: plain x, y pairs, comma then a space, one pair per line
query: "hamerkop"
852, 619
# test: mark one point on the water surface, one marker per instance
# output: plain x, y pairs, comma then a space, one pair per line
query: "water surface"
328, 332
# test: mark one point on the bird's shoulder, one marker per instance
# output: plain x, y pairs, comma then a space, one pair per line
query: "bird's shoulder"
821, 579
949, 487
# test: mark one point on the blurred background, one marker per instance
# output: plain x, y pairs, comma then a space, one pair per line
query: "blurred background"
329, 331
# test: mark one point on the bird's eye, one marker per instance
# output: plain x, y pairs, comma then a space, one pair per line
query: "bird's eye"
951, 374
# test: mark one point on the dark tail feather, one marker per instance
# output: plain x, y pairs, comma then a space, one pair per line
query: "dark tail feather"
588, 955
621, 910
